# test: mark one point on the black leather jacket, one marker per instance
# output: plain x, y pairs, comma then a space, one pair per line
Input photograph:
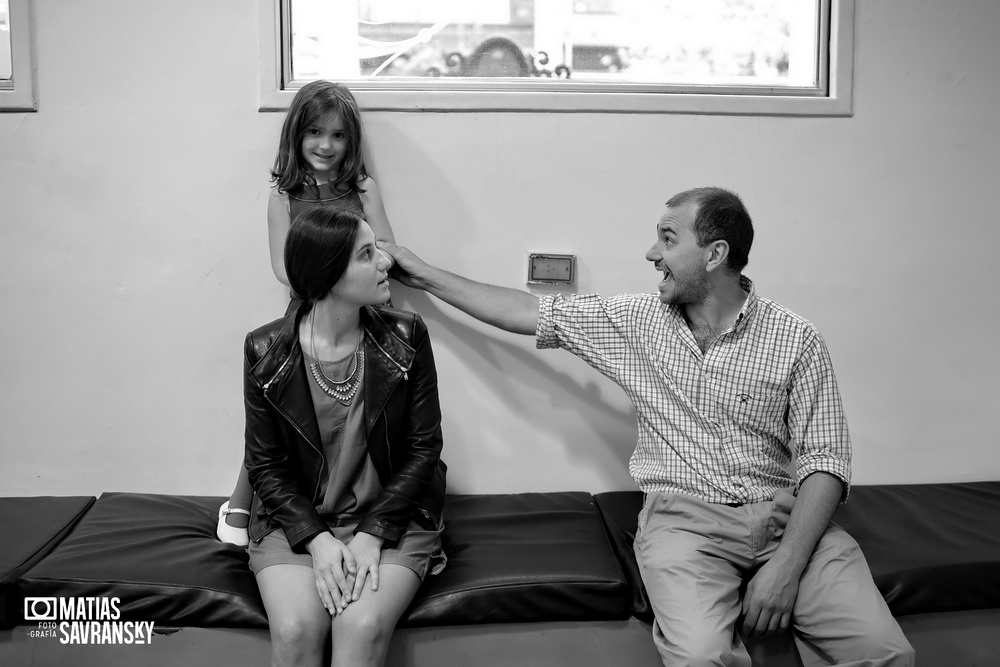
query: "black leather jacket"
284, 452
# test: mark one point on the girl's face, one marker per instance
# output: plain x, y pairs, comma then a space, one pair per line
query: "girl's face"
324, 146
366, 281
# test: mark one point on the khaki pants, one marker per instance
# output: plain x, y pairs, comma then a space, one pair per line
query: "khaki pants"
696, 557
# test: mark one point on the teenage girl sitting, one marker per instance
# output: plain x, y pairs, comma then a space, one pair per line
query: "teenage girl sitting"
343, 443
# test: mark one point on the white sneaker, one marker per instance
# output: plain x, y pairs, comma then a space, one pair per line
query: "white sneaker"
231, 534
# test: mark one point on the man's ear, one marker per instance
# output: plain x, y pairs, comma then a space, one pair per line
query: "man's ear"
718, 253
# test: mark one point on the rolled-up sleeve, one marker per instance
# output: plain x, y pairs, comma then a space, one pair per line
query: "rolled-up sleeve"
816, 420
592, 328
545, 331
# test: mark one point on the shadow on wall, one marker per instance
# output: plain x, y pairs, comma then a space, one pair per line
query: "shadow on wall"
510, 368
518, 390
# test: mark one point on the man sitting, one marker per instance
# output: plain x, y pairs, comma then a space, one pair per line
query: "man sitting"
729, 388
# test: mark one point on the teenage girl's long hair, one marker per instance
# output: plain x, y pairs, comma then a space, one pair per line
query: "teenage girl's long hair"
312, 104
318, 250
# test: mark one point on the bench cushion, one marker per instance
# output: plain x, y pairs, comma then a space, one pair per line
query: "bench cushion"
39, 524
523, 558
620, 510
160, 556
930, 547
511, 558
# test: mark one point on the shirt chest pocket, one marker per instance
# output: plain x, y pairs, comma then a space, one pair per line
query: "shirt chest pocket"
758, 407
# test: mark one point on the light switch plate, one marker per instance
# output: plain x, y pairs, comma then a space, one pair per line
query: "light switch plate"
547, 269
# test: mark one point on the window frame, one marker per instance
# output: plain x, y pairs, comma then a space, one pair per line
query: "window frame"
833, 96
18, 92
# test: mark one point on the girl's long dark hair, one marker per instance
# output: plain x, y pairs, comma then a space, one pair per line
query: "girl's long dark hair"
312, 104
318, 250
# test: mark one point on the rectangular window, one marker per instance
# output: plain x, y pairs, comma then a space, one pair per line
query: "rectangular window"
689, 56
17, 67
5, 59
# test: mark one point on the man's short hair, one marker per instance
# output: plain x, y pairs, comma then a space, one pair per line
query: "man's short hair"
721, 217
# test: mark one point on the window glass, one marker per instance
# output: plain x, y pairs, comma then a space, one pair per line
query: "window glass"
16, 58
628, 43
5, 59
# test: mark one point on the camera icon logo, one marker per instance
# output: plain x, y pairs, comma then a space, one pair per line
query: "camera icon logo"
40, 609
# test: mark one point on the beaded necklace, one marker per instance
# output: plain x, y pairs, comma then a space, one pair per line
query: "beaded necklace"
344, 390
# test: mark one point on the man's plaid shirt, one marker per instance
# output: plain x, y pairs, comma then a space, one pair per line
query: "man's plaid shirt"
725, 425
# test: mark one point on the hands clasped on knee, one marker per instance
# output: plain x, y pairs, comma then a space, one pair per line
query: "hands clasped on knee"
342, 569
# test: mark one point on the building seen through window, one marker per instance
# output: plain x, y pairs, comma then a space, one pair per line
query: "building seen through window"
770, 43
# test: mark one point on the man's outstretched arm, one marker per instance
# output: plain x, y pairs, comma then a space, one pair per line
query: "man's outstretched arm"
508, 309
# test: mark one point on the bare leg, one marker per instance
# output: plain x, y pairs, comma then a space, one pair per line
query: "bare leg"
361, 634
234, 515
240, 498
298, 622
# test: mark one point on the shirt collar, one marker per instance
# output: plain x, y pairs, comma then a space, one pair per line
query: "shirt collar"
746, 312
749, 306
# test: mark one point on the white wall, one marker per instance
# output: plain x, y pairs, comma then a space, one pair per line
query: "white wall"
133, 250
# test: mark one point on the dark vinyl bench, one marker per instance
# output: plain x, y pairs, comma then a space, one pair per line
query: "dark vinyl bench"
532, 579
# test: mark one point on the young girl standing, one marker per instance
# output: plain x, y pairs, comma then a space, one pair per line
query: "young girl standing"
320, 162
